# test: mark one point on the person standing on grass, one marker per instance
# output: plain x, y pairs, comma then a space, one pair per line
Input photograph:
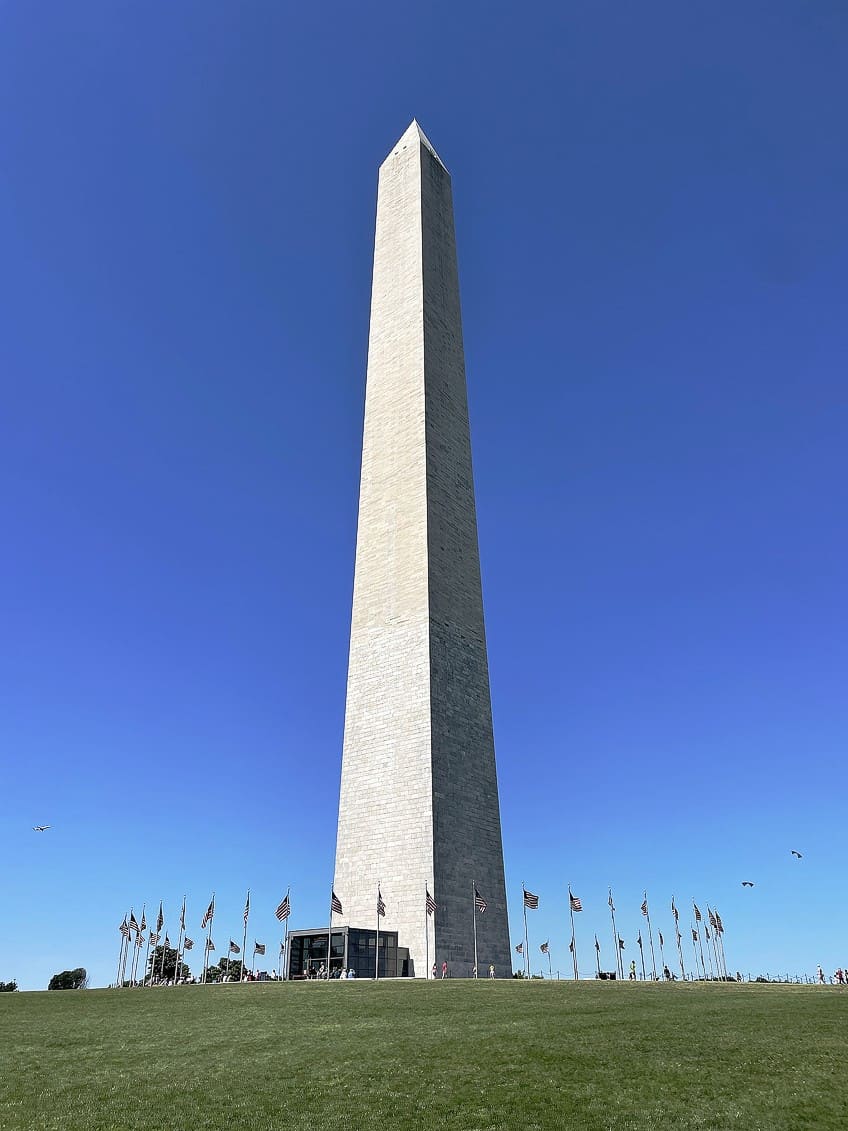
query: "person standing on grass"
492, 970
435, 975
820, 975
444, 969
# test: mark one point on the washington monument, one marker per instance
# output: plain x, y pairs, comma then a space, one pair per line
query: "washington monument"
419, 808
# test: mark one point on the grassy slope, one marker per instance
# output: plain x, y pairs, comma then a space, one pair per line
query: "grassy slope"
440, 1055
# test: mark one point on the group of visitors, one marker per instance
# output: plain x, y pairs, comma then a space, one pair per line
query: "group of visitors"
840, 976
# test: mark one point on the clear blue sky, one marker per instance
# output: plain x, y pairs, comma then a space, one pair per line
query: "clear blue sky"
650, 207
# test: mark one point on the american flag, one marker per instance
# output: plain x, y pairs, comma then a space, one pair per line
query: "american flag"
139, 940
644, 907
661, 938
544, 948
610, 902
209, 914
707, 932
479, 901
247, 907
154, 938
694, 935
519, 949
259, 948
674, 910
530, 900
718, 923
430, 903
381, 907
712, 919
210, 945
621, 944
597, 945
639, 940
698, 915
167, 942
160, 919
571, 945
133, 925
284, 909
335, 904
234, 948
188, 943
182, 916
143, 924
124, 929
576, 905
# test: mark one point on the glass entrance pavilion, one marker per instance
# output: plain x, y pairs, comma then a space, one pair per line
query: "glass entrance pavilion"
352, 948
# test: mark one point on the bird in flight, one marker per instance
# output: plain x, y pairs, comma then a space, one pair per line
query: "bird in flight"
747, 884
41, 828
796, 854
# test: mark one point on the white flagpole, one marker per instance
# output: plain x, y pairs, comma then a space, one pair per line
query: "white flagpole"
208, 938
526, 940
619, 968
426, 937
651, 937
286, 948
377, 947
474, 920
573, 938
244, 940
330, 935
124, 938
178, 966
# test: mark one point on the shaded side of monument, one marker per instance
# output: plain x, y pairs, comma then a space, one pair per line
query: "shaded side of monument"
419, 806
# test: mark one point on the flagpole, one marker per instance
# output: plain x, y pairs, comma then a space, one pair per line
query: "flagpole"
642, 956
650, 937
474, 920
244, 939
573, 947
162, 963
662, 954
677, 936
701, 948
124, 939
550, 967
134, 962
709, 952
126, 954
330, 930
711, 919
208, 939
597, 956
377, 947
526, 940
618, 966
426, 937
178, 967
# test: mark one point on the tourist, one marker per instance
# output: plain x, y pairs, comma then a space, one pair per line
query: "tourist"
492, 970
632, 975
666, 973
444, 969
434, 970
820, 975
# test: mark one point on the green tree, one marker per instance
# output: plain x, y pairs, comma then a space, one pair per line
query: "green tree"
169, 973
69, 980
226, 967
8, 987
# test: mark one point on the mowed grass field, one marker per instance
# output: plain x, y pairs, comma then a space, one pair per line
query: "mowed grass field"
455, 1054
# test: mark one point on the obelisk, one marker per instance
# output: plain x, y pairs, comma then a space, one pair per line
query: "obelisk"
418, 808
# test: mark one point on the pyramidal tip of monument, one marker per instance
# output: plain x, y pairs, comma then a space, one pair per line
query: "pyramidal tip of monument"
412, 133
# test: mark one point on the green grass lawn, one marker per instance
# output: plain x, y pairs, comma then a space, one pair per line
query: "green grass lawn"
457, 1054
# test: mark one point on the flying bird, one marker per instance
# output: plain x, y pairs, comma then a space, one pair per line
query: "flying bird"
41, 828
747, 884
796, 854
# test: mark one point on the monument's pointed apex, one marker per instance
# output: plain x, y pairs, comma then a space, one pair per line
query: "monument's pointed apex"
412, 133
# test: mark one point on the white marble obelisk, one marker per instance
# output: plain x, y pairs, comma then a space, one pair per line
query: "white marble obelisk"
419, 798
